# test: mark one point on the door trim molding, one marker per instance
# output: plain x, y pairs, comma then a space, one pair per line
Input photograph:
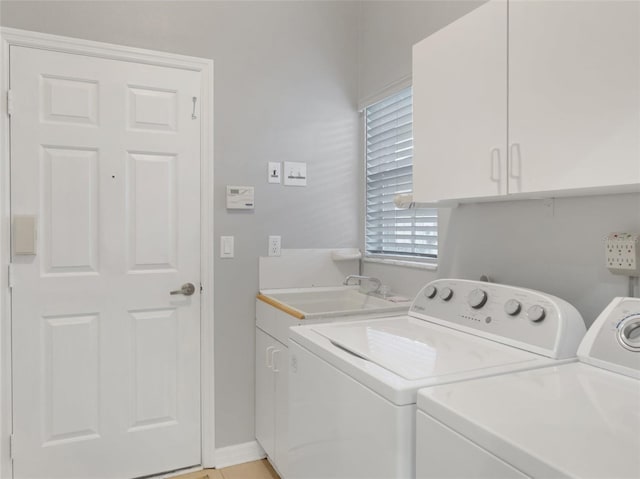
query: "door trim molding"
15, 37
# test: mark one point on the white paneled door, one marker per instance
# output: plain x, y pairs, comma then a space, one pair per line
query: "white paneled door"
105, 155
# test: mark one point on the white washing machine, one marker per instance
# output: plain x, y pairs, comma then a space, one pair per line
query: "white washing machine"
574, 420
353, 385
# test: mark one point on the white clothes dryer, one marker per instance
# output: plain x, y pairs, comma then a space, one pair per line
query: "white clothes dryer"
353, 385
578, 420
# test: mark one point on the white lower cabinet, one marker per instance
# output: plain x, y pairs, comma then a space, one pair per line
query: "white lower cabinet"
272, 383
265, 391
271, 398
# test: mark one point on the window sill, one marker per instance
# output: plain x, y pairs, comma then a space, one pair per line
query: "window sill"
400, 262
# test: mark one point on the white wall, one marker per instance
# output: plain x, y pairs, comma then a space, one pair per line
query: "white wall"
558, 249
285, 89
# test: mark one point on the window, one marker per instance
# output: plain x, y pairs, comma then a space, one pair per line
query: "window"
401, 233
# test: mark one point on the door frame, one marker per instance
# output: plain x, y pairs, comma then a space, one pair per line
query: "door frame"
15, 37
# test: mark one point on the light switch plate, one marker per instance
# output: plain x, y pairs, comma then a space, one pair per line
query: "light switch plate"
226, 247
274, 172
295, 173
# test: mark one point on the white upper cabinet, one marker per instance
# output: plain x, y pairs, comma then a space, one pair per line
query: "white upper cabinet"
460, 108
570, 75
574, 94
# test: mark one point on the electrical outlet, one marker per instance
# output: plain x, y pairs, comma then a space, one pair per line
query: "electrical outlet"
274, 245
623, 253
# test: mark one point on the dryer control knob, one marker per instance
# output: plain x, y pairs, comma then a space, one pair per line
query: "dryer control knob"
446, 294
536, 313
430, 291
512, 307
477, 298
629, 332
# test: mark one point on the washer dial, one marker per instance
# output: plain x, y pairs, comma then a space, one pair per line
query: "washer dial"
430, 291
536, 313
477, 298
512, 307
446, 294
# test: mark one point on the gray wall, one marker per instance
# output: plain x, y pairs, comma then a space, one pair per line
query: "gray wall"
557, 248
285, 89
387, 31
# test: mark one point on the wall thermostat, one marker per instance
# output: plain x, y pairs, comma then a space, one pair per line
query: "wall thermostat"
240, 197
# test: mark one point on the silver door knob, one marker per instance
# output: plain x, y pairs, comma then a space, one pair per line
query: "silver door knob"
187, 289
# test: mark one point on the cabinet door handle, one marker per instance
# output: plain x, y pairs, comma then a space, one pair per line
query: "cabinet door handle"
276, 353
495, 165
515, 161
269, 357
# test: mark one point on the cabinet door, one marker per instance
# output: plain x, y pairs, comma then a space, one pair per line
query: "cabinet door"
265, 391
281, 369
574, 98
460, 108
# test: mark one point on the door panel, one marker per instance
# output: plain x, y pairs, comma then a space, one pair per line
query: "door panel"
152, 211
70, 210
69, 100
154, 374
71, 345
106, 362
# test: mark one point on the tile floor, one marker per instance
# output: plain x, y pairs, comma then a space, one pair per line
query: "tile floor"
250, 470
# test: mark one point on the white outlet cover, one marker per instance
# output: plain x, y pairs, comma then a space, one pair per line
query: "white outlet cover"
274, 172
274, 245
623, 253
295, 173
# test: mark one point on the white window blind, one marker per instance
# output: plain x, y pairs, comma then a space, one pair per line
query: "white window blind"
411, 233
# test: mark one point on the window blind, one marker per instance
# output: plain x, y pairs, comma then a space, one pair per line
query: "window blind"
411, 233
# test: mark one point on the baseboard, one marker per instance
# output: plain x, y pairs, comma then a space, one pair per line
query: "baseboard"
239, 453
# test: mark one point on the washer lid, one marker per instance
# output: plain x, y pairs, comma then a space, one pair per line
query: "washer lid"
416, 349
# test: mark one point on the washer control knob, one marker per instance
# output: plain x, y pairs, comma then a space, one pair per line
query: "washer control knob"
446, 294
536, 313
431, 291
512, 307
477, 298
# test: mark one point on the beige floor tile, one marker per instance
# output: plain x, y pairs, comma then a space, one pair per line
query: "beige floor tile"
214, 474
250, 470
204, 474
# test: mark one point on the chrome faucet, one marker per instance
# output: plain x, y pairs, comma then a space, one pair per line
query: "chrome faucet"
371, 279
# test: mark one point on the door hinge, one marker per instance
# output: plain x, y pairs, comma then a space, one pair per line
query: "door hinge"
12, 447
10, 275
201, 288
9, 102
